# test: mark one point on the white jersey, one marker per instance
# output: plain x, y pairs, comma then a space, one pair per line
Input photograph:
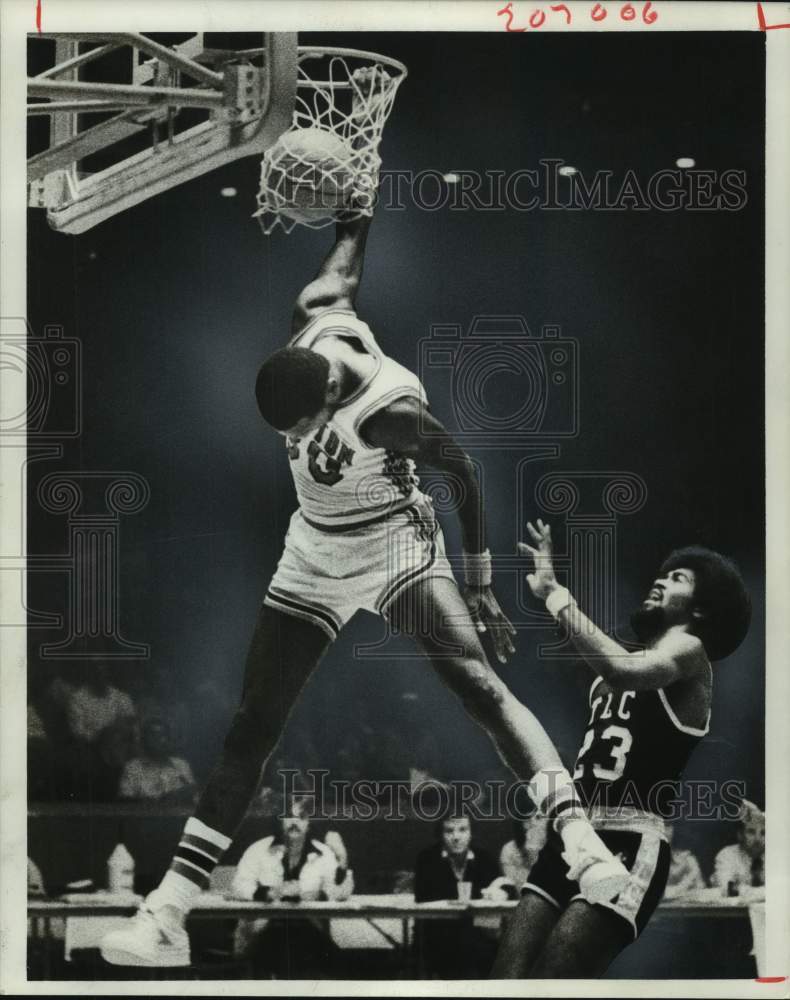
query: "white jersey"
340, 480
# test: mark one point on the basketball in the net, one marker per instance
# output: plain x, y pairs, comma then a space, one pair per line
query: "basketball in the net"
308, 171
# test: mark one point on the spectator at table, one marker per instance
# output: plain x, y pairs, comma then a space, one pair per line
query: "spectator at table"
155, 774
291, 866
451, 860
519, 854
685, 875
455, 949
742, 865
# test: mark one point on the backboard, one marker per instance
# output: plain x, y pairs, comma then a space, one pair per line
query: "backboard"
132, 115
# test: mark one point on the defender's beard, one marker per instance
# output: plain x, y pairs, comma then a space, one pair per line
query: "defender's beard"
648, 623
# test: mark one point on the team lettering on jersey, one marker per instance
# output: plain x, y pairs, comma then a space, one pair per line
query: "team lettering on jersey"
633, 752
326, 458
616, 739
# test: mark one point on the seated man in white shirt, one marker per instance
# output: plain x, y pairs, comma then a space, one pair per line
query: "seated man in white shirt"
741, 867
290, 866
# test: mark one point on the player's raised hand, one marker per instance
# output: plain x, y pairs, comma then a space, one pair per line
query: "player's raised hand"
542, 581
367, 78
370, 93
489, 617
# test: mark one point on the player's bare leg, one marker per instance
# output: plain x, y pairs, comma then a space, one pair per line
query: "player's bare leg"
524, 936
433, 612
282, 655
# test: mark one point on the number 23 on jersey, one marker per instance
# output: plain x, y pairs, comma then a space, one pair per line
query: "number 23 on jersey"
610, 749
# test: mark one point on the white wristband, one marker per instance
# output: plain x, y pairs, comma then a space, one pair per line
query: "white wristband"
557, 600
477, 568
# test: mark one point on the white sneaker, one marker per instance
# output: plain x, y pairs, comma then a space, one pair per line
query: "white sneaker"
147, 940
601, 876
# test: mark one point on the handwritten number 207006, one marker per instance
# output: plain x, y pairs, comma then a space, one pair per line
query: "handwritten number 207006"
599, 12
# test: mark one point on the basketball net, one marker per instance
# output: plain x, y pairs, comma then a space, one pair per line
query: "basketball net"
352, 99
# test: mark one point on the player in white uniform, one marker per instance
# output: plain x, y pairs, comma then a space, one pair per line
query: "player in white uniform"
360, 507
364, 536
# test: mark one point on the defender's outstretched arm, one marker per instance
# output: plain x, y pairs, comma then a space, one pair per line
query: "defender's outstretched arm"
679, 656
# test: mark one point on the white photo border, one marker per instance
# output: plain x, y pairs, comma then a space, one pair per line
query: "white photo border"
17, 19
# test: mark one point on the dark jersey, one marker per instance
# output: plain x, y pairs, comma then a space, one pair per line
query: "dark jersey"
634, 750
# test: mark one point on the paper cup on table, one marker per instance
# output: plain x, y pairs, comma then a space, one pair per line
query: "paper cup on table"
464, 892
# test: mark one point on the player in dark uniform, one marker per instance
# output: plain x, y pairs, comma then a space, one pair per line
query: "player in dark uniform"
648, 711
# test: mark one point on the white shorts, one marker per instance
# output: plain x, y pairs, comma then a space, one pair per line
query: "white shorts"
326, 577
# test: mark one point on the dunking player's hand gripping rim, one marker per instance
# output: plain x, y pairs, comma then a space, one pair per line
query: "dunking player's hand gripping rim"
325, 168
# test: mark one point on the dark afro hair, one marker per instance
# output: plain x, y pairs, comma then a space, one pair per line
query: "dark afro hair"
720, 595
291, 384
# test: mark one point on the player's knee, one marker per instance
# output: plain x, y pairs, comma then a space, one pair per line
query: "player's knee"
250, 734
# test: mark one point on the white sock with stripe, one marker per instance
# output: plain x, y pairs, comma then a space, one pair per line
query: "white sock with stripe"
199, 850
556, 798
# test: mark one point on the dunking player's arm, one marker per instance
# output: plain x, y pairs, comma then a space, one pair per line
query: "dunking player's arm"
337, 282
677, 655
409, 428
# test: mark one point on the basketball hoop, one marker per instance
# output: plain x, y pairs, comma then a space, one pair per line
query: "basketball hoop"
347, 94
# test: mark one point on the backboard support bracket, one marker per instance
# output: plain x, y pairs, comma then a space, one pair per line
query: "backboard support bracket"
248, 106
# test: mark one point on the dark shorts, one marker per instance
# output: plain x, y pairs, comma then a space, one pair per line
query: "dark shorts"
645, 855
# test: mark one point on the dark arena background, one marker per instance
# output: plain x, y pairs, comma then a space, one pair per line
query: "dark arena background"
174, 304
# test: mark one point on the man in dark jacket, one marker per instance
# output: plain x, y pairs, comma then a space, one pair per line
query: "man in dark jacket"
453, 869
